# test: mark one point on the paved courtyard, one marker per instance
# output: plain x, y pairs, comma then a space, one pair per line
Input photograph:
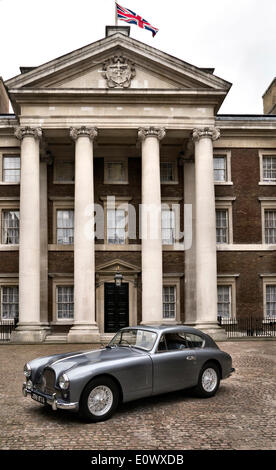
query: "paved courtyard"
241, 415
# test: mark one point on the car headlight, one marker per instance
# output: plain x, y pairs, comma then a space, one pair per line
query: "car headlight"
64, 382
29, 385
27, 370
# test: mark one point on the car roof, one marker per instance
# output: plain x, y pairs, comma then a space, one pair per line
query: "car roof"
159, 329
165, 328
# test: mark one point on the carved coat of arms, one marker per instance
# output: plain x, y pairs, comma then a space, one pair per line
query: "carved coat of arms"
118, 72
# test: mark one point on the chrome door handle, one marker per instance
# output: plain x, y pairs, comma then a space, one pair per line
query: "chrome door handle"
190, 358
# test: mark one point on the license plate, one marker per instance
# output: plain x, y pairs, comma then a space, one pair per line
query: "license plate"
38, 398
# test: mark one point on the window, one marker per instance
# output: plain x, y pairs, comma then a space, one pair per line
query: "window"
220, 168
267, 167
224, 301
270, 226
222, 230
10, 227
194, 341
9, 302
64, 171
168, 226
65, 302
168, 171
169, 302
116, 226
65, 227
11, 169
116, 171
179, 341
270, 295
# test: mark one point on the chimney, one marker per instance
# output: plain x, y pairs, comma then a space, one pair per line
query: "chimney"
110, 30
4, 99
269, 98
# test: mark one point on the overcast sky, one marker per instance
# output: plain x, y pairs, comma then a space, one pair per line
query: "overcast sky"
237, 37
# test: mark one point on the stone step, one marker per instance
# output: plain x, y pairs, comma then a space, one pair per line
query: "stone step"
56, 338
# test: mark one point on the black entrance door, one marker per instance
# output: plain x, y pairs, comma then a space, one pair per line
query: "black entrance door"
116, 313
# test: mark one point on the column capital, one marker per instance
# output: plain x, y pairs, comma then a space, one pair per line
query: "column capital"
206, 132
158, 132
27, 131
83, 131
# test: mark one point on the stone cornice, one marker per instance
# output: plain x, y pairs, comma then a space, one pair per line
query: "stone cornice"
83, 131
145, 132
21, 132
206, 132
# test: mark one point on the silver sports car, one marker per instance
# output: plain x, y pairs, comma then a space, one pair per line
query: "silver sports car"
139, 362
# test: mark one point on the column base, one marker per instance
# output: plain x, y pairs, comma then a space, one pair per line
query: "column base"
84, 333
29, 333
212, 329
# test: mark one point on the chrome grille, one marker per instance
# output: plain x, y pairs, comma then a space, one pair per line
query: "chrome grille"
48, 381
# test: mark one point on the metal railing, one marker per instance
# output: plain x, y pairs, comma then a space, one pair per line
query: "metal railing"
6, 328
248, 327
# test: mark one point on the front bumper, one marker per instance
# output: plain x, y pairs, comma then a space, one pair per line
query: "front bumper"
52, 400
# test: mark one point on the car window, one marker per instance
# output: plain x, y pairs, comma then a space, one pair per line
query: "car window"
175, 341
194, 341
162, 344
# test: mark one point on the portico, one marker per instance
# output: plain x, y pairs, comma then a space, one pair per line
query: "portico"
163, 107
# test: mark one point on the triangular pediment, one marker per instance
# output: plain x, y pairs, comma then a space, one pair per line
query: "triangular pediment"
117, 265
83, 69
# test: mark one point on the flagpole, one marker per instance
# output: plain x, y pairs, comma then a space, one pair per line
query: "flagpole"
116, 16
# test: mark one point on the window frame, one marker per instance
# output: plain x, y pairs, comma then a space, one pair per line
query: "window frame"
226, 204
7, 282
227, 155
262, 154
267, 281
8, 206
124, 161
61, 206
62, 159
269, 204
60, 282
121, 203
229, 281
172, 282
174, 205
6, 153
173, 160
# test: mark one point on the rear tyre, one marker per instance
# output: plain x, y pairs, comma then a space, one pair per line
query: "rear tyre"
208, 381
99, 399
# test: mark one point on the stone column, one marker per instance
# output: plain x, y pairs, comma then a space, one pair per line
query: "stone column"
45, 160
190, 271
152, 277
85, 329
205, 227
29, 328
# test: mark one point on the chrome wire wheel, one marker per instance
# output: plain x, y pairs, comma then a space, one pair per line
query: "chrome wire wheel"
209, 380
100, 400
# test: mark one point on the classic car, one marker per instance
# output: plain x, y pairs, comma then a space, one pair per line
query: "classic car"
138, 362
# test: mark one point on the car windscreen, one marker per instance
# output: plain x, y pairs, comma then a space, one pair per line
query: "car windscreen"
142, 339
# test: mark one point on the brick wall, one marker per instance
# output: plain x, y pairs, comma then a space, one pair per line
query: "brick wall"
245, 169
249, 285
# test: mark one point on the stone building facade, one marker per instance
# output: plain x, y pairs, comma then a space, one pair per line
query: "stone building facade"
123, 126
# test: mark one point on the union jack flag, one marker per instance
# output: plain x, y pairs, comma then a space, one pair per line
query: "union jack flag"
130, 17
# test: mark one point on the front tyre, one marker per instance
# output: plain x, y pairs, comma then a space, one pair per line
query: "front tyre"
99, 399
208, 381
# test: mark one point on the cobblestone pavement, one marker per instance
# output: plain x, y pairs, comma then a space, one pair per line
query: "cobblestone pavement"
240, 416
